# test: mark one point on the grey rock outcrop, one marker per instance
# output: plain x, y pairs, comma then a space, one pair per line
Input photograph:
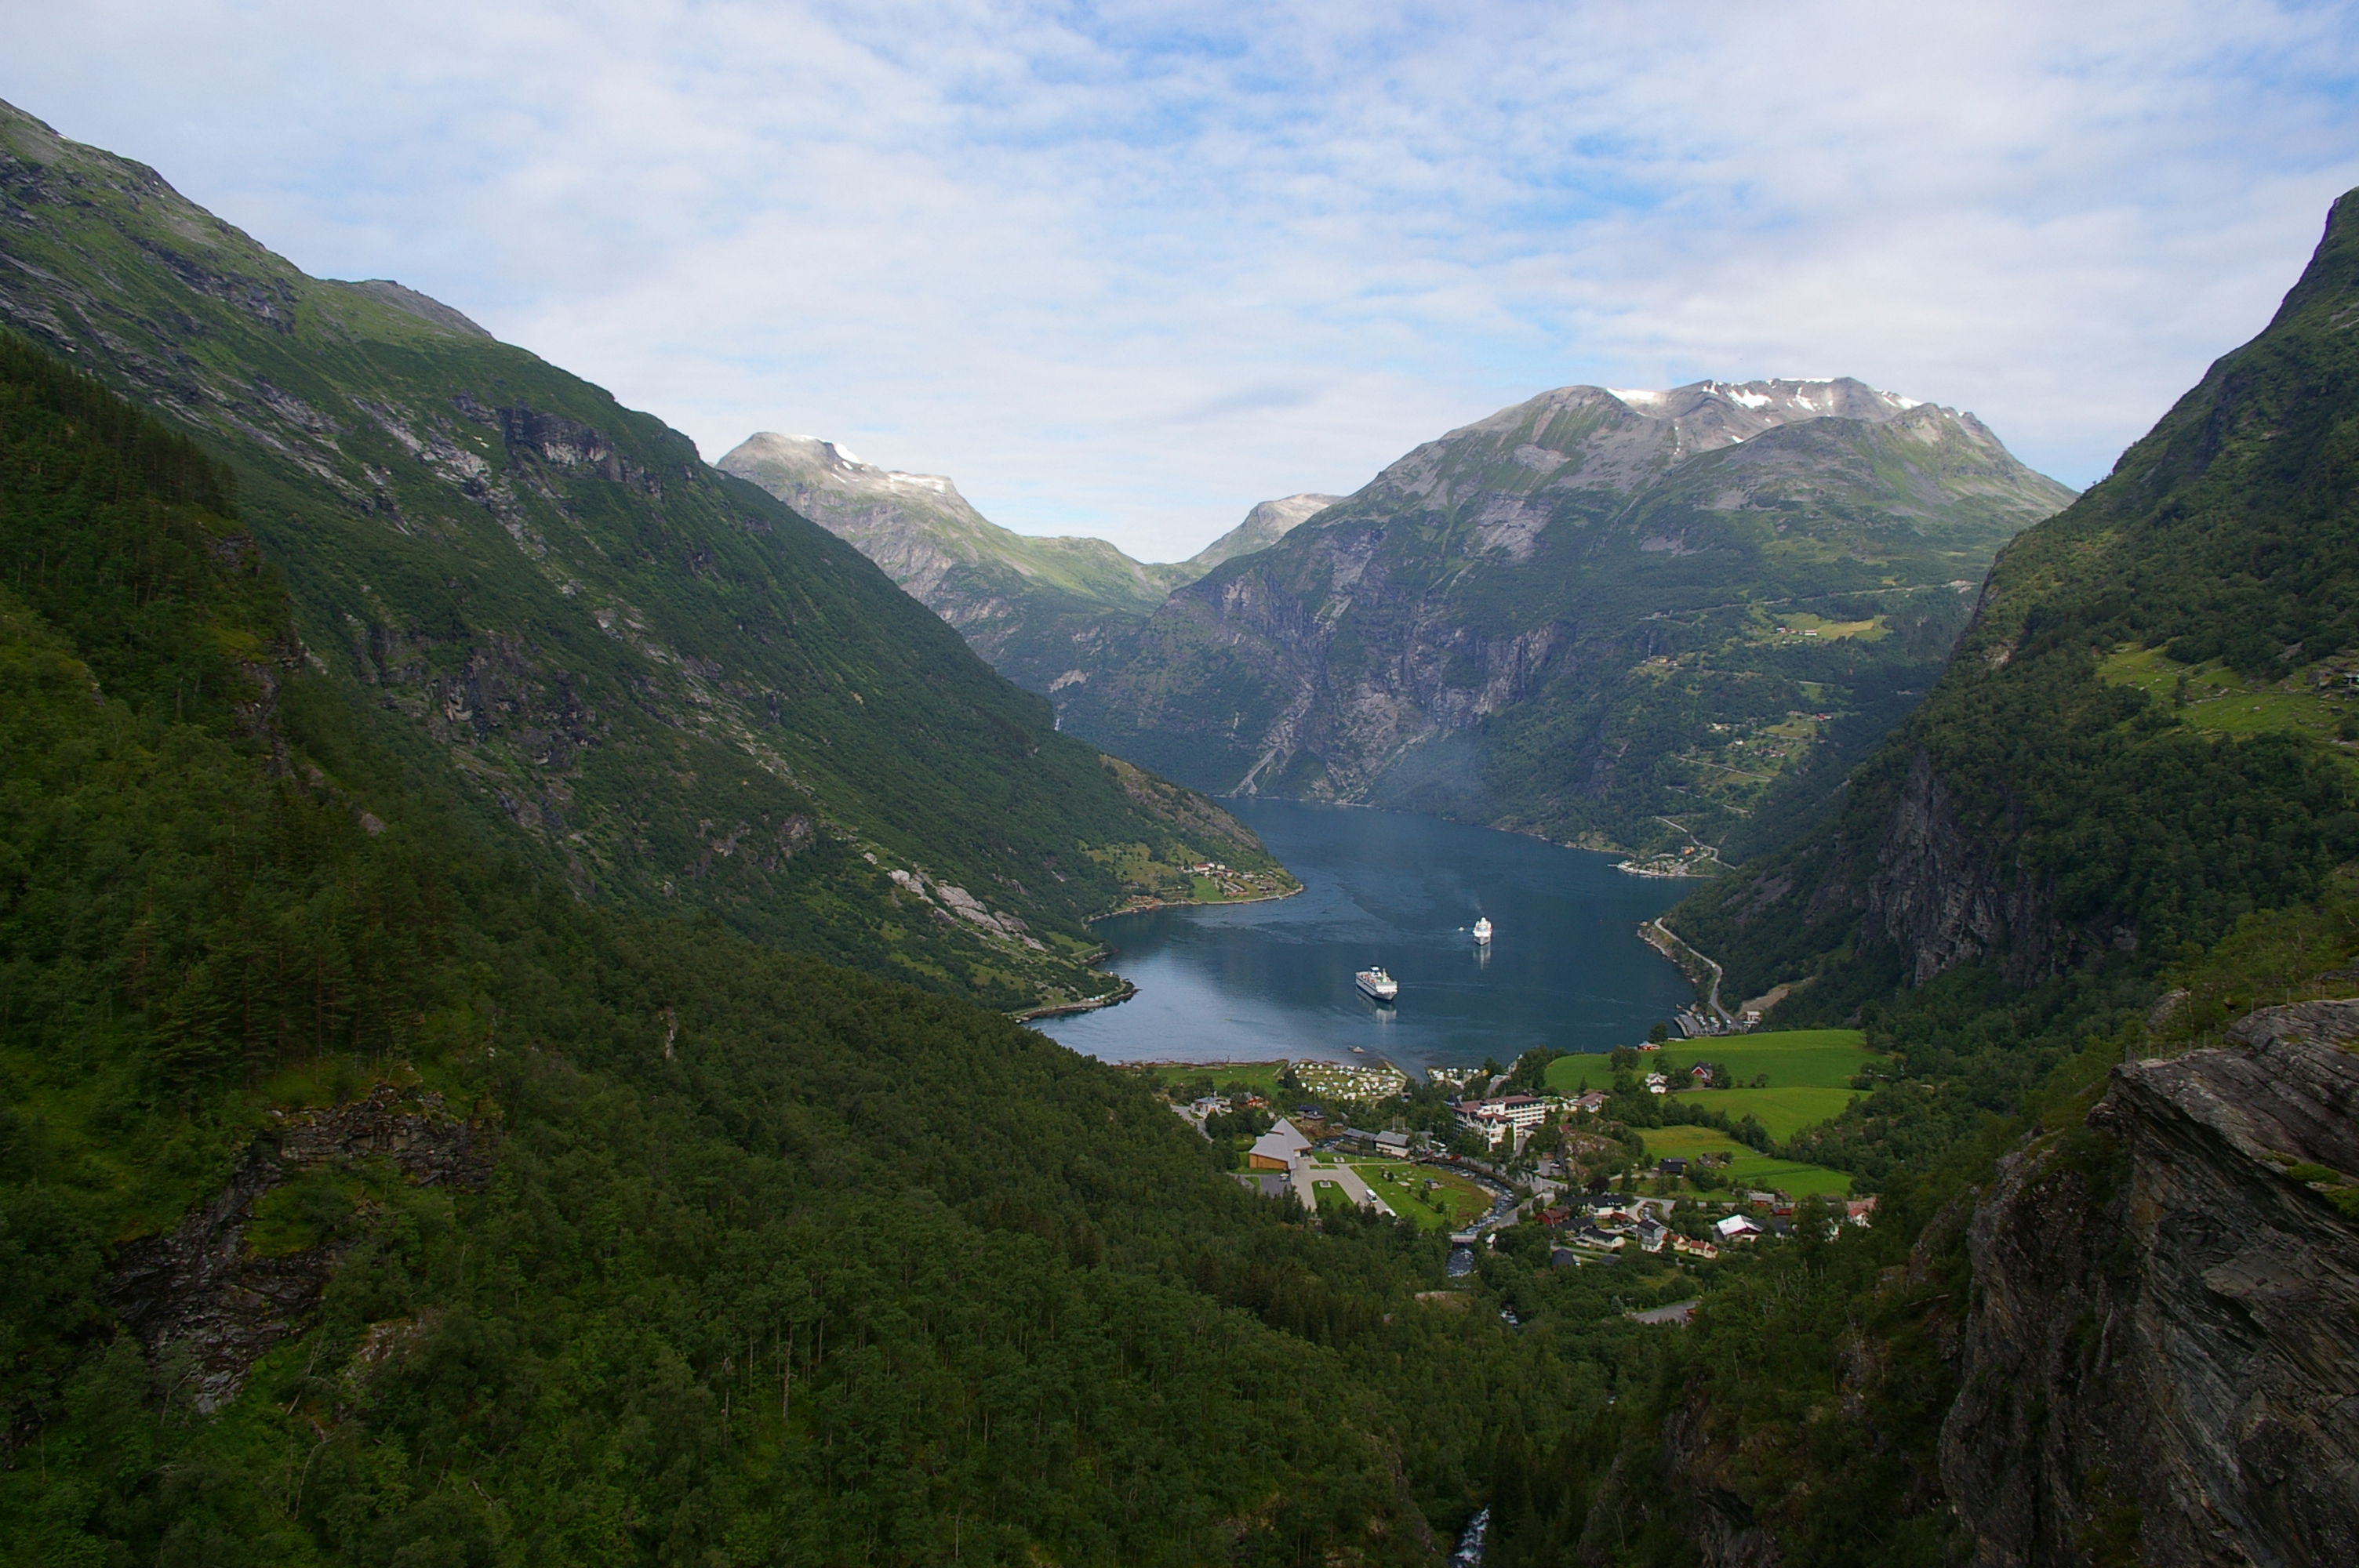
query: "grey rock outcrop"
200, 1290
2161, 1362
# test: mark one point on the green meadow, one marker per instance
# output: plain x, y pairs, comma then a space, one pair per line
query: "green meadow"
2223, 702
1746, 1168
1808, 1072
1402, 1185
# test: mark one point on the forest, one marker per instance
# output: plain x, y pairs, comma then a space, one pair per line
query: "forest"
755, 1259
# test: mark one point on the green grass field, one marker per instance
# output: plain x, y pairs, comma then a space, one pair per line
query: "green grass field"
1402, 1185
1784, 1112
1809, 1073
2222, 702
1746, 1169
1331, 1197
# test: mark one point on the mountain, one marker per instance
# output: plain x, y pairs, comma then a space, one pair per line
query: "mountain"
1020, 601
665, 681
1036, 608
1656, 620
2146, 733
1265, 525
2098, 901
367, 1198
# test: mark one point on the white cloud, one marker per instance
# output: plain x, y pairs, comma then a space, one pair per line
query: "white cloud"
1127, 270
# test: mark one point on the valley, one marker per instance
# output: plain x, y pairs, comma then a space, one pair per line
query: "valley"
513, 940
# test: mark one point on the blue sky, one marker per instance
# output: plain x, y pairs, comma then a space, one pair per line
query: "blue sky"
1125, 269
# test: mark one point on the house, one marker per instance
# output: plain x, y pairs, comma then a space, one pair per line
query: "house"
1700, 1073
1657, 1083
1652, 1234
1395, 1144
1591, 1103
1553, 1217
1672, 1165
1691, 1248
1737, 1227
1278, 1149
1860, 1211
1211, 1104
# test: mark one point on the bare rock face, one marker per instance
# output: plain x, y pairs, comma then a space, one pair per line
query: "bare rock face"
2161, 1363
201, 1289
1517, 622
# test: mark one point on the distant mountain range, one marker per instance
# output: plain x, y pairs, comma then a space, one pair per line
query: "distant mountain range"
1658, 620
1665, 621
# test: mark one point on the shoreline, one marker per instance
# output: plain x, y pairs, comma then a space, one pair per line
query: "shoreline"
1629, 865
1114, 998
1126, 991
1143, 905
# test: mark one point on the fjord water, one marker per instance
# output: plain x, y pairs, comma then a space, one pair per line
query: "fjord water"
1255, 981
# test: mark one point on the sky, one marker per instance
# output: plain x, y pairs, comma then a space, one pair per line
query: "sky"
1125, 269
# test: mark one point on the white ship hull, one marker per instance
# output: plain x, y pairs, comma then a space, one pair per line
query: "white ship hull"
1483, 931
1376, 984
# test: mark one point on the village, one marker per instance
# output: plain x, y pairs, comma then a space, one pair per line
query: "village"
1491, 1158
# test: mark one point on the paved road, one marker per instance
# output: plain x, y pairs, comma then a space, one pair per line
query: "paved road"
1358, 1191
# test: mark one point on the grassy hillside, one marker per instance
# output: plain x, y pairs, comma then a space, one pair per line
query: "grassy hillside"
1031, 605
657, 677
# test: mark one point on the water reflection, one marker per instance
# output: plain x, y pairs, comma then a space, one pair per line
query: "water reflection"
1565, 966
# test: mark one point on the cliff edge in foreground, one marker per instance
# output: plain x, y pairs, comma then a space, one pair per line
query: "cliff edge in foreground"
2161, 1361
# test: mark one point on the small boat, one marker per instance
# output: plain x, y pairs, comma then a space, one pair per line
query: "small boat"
1359, 1050
1483, 930
1377, 984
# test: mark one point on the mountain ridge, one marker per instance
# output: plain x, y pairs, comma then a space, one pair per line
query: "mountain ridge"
673, 686
1542, 620
1034, 606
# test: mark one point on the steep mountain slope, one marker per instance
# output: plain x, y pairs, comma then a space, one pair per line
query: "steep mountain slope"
1632, 618
2060, 798
2098, 899
1265, 525
1036, 608
368, 1199
1017, 599
665, 681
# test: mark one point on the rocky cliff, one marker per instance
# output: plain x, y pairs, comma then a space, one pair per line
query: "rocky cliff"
1617, 616
204, 1295
2161, 1361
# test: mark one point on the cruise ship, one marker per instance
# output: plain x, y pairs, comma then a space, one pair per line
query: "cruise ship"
1483, 930
1377, 984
